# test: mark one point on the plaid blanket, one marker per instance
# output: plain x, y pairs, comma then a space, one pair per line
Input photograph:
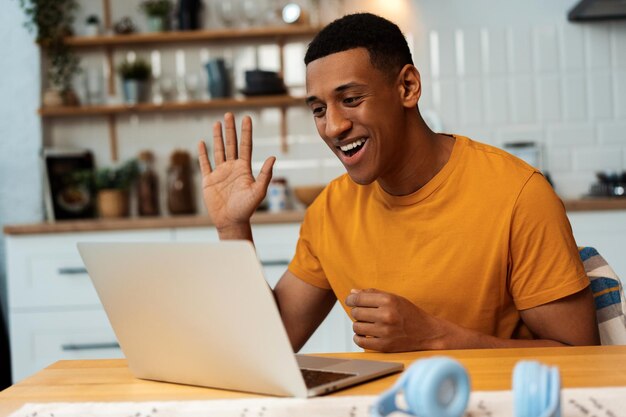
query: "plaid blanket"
608, 294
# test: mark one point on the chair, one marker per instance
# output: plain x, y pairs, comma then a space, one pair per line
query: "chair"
608, 294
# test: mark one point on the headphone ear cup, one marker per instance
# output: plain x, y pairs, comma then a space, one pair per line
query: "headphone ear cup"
536, 390
438, 387
434, 387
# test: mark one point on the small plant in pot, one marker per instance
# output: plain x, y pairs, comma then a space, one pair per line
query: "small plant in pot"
113, 185
52, 20
158, 13
135, 80
92, 25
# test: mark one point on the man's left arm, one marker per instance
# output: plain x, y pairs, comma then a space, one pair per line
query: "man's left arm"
389, 323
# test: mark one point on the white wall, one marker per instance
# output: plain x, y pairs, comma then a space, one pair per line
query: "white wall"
518, 70
20, 135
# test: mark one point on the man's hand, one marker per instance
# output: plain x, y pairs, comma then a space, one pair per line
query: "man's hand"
389, 323
231, 194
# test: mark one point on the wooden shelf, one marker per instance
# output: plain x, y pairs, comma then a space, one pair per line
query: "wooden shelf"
137, 39
138, 223
227, 103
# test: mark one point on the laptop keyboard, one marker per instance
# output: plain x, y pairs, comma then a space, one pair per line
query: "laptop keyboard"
314, 378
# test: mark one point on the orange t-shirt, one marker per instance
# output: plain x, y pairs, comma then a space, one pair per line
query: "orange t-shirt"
484, 238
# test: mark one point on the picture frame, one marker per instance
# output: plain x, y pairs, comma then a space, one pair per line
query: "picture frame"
68, 190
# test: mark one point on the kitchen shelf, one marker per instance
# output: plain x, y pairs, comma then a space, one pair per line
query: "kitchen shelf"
278, 35
275, 34
227, 103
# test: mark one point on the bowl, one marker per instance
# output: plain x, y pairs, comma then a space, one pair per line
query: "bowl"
306, 194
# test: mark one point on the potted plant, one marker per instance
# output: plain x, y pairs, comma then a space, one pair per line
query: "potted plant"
92, 25
113, 185
158, 13
52, 19
135, 80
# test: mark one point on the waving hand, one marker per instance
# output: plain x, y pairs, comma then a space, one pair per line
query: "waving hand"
230, 191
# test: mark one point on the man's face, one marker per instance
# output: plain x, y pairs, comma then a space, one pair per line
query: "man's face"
358, 112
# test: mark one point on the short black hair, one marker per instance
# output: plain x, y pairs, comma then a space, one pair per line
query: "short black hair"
384, 41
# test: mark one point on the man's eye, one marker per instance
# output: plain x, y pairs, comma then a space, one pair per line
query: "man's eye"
318, 111
351, 100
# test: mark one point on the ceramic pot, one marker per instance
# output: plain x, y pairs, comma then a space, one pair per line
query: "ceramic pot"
136, 91
113, 203
157, 24
52, 98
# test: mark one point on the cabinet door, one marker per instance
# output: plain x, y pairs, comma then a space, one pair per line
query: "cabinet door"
47, 271
605, 231
42, 338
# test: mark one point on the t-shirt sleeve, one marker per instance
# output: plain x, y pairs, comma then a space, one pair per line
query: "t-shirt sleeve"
305, 263
544, 261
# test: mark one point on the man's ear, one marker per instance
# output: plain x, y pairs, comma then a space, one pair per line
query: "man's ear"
409, 86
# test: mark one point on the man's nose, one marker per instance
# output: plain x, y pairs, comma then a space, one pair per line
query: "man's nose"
336, 123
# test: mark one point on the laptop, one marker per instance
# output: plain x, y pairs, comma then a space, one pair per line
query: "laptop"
202, 314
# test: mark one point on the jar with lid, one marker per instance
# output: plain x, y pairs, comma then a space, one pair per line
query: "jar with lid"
278, 195
180, 198
147, 186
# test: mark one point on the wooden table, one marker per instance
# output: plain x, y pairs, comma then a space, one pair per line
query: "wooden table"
489, 369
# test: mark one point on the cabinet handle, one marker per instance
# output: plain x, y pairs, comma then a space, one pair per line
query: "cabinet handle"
72, 270
278, 262
90, 346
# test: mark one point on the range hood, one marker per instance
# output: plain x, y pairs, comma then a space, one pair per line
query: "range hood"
594, 10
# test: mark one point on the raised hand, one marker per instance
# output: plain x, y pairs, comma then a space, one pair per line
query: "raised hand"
231, 193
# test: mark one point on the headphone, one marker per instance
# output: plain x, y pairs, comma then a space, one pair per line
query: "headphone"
440, 387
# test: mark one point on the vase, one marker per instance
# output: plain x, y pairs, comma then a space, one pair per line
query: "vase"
189, 14
70, 98
219, 79
136, 91
113, 203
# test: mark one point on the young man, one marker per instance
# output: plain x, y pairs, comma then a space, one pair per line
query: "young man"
430, 241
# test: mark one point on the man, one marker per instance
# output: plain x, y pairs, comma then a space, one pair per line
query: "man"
430, 241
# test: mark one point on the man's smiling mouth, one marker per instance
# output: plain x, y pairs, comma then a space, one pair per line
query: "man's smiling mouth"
351, 148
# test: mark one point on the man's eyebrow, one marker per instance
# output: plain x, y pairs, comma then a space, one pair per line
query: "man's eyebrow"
339, 89
344, 87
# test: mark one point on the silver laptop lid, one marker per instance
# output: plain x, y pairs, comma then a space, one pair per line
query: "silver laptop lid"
195, 313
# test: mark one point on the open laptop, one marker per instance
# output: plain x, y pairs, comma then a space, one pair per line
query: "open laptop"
202, 314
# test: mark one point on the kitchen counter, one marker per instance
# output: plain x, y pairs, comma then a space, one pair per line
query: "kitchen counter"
138, 223
295, 216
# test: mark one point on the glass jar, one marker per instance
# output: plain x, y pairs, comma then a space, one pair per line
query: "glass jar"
180, 198
147, 186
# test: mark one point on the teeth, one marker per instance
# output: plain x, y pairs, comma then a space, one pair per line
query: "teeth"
352, 145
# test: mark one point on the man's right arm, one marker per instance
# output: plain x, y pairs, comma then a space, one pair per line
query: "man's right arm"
302, 307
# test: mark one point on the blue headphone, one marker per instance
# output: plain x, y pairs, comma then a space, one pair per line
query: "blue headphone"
440, 387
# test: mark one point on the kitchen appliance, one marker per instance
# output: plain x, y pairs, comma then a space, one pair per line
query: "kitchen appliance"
530, 152
594, 10
609, 184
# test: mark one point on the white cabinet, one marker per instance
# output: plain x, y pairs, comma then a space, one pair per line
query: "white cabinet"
605, 231
54, 311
